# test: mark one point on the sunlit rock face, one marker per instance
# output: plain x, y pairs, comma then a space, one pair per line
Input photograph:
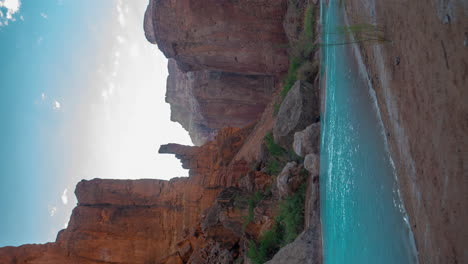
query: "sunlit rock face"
205, 101
240, 36
224, 57
143, 221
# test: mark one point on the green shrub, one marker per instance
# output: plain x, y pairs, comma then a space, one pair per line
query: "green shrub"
302, 51
308, 37
252, 202
273, 167
278, 156
273, 148
291, 77
288, 224
276, 108
291, 215
267, 245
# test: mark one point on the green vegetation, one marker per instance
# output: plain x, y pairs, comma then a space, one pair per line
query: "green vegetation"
278, 156
276, 108
301, 53
362, 33
252, 202
266, 247
291, 215
289, 220
273, 148
273, 167
291, 77
288, 224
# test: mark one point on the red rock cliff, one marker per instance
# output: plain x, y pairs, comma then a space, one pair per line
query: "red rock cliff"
240, 36
143, 221
205, 101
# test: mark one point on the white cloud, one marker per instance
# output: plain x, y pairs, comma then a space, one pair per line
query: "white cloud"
120, 14
52, 210
120, 39
44, 15
43, 96
65, 225
56, 105
134, 50
104, 94
12, 7
64, 196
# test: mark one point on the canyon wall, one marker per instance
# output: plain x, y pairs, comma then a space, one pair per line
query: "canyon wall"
205, 101
224, 59
240, 36
146, 221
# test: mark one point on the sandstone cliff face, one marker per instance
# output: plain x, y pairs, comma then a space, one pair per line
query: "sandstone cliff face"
240, 36
224, 55
144, 221
205, 101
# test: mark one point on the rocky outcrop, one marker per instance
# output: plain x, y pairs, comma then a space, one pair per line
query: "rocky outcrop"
299, 109
307, 141
144, 221
293, 20
304, 250
205, 101
289, 180
240, 36
312, 164
225, 56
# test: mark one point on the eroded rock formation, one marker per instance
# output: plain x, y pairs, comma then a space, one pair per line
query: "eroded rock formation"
225, 56
205, 101
299, 109
240, 36
144, 221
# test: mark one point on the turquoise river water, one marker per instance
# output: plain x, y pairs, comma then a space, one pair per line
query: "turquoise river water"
363, 218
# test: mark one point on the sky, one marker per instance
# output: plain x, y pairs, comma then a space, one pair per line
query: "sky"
81, 97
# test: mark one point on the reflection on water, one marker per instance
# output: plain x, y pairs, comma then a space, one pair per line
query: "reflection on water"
362, 215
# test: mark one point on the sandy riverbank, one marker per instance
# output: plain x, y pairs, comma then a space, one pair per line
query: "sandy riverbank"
421, 79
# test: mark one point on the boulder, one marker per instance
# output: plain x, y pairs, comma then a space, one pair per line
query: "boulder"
305, 249
307, 141
288, 180
300, 108
312, 203
312, 164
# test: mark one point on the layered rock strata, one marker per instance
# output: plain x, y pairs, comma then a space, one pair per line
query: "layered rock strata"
240, 36
224, 56
205, 101
144, 221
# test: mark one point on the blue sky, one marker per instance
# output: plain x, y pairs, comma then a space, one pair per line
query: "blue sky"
82, 97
